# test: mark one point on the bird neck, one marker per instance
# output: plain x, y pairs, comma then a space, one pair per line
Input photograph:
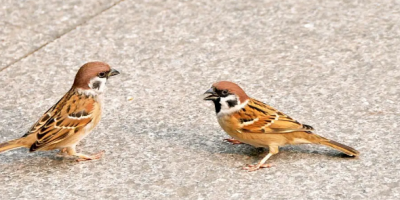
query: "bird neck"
226, 106
89, 93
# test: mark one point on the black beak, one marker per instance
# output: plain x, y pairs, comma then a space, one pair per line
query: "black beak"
213, 95
113, 72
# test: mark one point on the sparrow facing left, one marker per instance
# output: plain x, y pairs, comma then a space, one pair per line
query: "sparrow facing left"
252, 122
72, 118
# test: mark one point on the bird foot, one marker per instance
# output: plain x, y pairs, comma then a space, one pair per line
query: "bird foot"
62, 152
252, 168
83, 157
233, 141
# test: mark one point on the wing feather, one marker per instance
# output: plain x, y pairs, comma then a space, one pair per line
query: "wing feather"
258, 117
68, 116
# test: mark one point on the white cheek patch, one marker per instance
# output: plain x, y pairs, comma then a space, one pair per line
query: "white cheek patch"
224, 101
226, 109
98, 84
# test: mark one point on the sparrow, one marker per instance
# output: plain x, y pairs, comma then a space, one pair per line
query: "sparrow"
253, 122
72, 118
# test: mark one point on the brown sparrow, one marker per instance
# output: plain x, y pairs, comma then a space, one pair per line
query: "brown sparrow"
252, 122
72, 117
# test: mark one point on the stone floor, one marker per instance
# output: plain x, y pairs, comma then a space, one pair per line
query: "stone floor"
331, 64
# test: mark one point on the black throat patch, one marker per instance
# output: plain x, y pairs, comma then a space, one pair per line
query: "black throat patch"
217, 105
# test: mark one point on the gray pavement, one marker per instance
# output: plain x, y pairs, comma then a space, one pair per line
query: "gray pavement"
331, 64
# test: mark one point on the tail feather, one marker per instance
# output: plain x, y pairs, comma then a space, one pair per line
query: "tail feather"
341, 147
13, 144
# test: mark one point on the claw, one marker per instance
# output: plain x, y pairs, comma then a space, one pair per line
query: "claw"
83, 157
259, 165
252, 168
233, 141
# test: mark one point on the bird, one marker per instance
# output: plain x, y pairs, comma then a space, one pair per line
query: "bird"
72, 118
253, 122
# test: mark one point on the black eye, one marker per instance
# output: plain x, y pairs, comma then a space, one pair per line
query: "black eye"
224, 92
102, 74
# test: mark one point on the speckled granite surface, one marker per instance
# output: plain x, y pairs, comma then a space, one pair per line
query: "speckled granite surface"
331, 64
28, 25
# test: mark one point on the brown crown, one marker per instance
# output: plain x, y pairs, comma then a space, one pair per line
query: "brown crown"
232, 88
87, 72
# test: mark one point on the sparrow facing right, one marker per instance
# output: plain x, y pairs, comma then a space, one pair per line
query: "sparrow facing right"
72, 118
252, 122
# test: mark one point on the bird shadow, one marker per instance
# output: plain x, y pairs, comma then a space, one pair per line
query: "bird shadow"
209, 139
21, 160
298, 150
214, 144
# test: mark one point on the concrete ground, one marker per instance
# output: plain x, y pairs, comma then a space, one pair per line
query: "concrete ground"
331, 64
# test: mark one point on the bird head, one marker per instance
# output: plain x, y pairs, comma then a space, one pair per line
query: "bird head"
93, 76
228, 97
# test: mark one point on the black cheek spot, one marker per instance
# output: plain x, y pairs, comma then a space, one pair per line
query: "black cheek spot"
232, 103
96, 85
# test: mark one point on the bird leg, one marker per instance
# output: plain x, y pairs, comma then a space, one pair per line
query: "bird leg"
62, 152
82, 157
272, 150
233, 141
259, 165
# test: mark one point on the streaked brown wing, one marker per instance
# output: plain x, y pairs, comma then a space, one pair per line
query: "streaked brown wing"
45, 117
70, 115
258, 117
50, 113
